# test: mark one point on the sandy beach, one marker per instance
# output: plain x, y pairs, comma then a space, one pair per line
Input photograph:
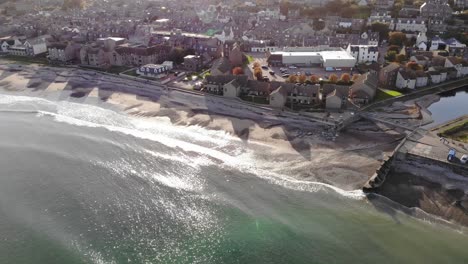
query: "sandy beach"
312, 153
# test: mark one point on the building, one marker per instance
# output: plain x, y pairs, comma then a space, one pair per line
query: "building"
436, 9
335, 96
36, 46
463, 4
337, 59
422, 79
215, 83
61, 52
452, 45
155, 70
406, 79
193, 63
410, 25
221, 66
94, 56
138, 55
364, 88
232, 89
236, 56
388, 75
364, 53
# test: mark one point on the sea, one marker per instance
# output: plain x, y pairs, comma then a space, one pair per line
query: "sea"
82, 183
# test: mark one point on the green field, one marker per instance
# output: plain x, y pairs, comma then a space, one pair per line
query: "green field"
383, 94
457, 132
26, 59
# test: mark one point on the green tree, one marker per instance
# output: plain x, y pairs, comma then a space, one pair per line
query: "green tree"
382, 28
391, 56
400, 58
397, 38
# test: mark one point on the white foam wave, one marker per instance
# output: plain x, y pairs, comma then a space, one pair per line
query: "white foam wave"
203, 142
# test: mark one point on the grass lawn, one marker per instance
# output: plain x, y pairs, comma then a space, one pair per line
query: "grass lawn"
458, 132
131, 73
383, 94
26, 59
255, 99
250, 59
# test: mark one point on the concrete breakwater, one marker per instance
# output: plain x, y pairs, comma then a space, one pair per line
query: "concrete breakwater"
417, 175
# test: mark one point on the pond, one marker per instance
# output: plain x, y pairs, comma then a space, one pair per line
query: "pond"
452, 104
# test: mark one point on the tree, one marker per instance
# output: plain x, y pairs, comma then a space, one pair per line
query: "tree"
414, 66
284, 7
345, 78
72, 4
400, 58
333, 78
318, 25
292, 78
177, 55
382, 28
391, 56
258, 73
302, 78
237, 71
314, 79
355, 77
394, 48
397, 38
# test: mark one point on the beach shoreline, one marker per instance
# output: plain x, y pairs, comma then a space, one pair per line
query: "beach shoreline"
351, 156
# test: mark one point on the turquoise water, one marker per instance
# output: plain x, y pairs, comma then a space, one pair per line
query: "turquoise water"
80, 184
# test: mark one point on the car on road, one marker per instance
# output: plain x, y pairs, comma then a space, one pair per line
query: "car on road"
272, 73
265, 67
451, 155
464, 159
286, 75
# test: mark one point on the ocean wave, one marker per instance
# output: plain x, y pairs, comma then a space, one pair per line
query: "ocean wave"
190, 139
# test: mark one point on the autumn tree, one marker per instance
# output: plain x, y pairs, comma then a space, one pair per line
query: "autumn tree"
237, 71
413, 66
314, 79
345, 78
400, 58
302, 78
256, 65
258, 73
355, 77
292, 78
333, 78
396, 38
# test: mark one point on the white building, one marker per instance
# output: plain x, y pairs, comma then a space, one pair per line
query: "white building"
451, 43
155, 70
364, 53
405, 79
336, 59
410, 25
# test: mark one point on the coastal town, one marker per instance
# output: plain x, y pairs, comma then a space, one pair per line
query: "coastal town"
329, 62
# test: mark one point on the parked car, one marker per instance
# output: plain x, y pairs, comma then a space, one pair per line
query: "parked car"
272, 73
464, 159
308, 73
292, 67
285, 75
451, 155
